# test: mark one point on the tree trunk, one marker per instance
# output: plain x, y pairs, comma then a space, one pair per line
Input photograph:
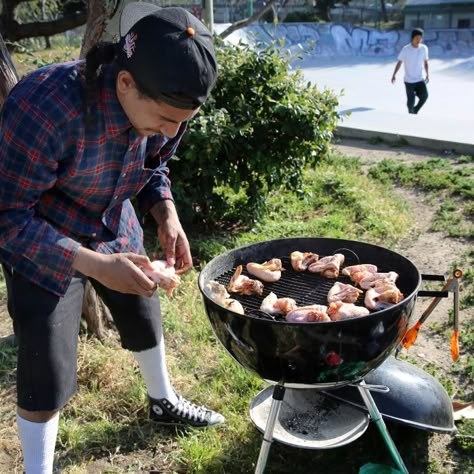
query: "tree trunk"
101, 13
383, 9
8, 74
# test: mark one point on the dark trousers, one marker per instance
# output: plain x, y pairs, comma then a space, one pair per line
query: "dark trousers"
47, 327
416, 89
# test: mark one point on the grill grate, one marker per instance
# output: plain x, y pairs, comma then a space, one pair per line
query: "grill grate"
304, 287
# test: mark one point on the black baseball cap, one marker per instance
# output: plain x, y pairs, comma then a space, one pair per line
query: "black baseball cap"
169, 52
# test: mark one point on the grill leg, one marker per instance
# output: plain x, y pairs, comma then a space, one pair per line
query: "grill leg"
277, 398
377, 418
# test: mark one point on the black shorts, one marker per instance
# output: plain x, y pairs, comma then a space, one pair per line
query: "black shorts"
46, 327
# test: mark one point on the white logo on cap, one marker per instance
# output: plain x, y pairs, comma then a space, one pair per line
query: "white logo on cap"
129, 46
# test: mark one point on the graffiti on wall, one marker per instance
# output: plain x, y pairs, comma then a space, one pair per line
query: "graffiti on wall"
345, 40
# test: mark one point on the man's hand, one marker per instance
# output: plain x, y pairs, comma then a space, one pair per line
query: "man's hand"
393, 79
171, 236
120, 272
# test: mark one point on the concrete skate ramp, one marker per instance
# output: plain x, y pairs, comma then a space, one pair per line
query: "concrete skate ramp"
357, 64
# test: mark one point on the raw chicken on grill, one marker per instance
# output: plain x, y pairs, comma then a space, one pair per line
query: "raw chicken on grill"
267, 271
340, 310
343, 292
356, 272
164, 275
217, 293
274, 305
244, 285
234, 305
316, 313
371, 280
328, 266
383, 296
300, 261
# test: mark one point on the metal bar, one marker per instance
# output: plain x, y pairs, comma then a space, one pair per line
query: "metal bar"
377, 418
277, 398
428, 276
433, 294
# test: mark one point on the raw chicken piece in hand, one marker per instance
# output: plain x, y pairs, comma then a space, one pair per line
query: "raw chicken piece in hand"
164, 275
267, 271
317, 313
300, 261
340, 310
328, 266
343, 292
274, 305
244, 285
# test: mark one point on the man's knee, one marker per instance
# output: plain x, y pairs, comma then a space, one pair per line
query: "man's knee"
36, 416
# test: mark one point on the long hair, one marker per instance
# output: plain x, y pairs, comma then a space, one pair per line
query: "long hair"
100, 54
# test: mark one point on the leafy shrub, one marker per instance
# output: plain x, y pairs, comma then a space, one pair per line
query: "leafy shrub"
262, 126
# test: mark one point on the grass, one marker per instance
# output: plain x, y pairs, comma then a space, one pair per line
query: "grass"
452, 181
107, 419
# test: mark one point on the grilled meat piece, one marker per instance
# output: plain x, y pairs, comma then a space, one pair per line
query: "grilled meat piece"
244, 285
309, 314
343, 292
340, 310
328, 266
267, 271
274, 305
300, 261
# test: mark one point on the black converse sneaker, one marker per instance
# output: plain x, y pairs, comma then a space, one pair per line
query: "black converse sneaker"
182, 413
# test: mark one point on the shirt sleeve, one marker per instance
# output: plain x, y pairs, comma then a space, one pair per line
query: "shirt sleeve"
401, 55
29, 153
158, 188
426, 52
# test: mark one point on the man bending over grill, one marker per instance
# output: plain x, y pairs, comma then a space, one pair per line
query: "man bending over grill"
77, 141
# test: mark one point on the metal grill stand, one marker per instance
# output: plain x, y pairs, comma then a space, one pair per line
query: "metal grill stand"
364, 389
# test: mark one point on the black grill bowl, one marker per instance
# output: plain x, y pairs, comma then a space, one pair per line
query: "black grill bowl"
322, 355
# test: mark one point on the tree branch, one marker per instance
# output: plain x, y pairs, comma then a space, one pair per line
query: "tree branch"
247, 21
19, 31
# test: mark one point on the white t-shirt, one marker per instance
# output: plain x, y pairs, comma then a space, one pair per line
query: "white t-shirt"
413, 60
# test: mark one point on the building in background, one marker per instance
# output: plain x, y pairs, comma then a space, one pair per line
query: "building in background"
439, 14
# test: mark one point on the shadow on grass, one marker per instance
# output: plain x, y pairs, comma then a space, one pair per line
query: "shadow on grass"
8, 352
370, 448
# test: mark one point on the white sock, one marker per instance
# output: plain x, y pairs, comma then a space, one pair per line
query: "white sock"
38, 441
153, 368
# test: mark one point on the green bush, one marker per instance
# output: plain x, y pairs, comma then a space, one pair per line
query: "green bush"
262, 126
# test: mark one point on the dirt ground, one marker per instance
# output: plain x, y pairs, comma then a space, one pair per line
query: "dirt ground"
431, 252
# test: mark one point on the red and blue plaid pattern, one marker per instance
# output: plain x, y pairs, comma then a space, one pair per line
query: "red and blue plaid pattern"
62, 184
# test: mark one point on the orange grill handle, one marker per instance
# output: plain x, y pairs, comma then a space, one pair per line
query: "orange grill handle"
411, 335
455, 346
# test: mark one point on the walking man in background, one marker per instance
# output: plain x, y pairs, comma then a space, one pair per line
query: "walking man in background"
414, 57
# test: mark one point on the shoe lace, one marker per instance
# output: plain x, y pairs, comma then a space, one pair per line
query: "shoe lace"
186, 409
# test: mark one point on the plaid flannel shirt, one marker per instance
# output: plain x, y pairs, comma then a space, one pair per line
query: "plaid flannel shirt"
62, 185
